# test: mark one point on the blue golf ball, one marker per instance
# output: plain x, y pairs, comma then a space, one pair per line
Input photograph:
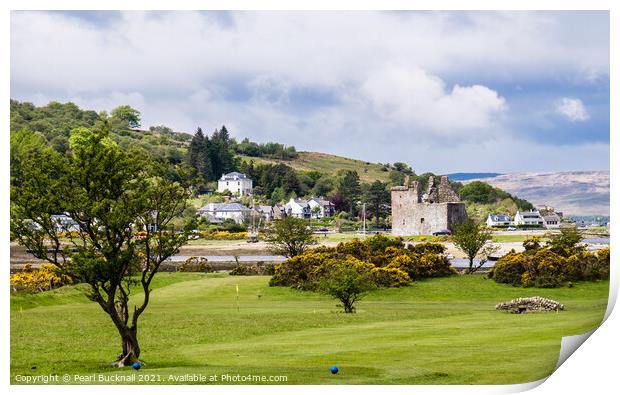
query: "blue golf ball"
334, 369
137, 365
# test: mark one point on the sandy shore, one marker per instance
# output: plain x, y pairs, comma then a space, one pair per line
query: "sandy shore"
19, 256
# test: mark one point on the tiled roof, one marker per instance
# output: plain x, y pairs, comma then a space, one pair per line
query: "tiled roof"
225, 207
233, 176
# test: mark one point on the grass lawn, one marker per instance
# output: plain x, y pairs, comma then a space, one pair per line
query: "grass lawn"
439, 331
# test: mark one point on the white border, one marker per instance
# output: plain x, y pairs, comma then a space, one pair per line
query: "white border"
593, 367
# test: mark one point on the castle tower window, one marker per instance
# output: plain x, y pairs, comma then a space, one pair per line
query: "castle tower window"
421, 220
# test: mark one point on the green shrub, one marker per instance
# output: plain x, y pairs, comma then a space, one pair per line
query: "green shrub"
546, 271
408, 263
545, 268
194, 264
604, 262
378, 243
346, 282
435, 265
355, 248
509, 269
425, 248
389, 277
295, 272
566, 243
259, 269
387, 259
532, 243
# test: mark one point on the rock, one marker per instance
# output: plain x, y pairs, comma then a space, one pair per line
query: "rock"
527, 305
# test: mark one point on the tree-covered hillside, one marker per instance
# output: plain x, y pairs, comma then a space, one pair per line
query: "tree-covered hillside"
278, 171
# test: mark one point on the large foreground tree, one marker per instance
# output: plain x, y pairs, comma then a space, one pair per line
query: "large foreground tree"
111, 195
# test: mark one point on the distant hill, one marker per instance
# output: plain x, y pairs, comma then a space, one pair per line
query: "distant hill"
471, 176
330, 164
575, 192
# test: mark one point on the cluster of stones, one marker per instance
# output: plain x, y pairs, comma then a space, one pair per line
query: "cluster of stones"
525, 305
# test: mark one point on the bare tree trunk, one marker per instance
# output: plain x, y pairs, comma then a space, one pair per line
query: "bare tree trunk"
471, 265
130, 348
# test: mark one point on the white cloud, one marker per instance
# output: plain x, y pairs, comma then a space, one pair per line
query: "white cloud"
342, 82
572, 109
420, 100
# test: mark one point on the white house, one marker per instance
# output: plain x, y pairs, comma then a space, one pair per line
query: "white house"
552, 220
528, 218
498, 220
237, 183
65, 223
222, 211
298, 208
325, 208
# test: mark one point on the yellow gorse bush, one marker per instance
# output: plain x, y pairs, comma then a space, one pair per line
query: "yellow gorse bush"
223, 235
38, 280
388, 263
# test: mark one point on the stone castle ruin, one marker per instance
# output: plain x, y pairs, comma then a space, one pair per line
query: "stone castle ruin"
417, 213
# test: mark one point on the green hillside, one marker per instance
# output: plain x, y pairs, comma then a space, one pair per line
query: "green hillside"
203, 160
330, 164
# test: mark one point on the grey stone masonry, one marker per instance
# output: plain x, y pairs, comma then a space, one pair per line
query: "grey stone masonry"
414, 213
526, 305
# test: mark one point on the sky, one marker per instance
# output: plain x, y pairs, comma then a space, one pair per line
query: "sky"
442, 91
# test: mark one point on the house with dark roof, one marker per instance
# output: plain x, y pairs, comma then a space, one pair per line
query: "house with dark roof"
298, 208
551, 220
65, 223
528, 218
236, 183
499, 220
223, 211
320, 208
264, 211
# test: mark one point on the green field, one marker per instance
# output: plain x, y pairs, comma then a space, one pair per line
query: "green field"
437, 331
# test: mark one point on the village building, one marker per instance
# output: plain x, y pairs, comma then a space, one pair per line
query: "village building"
65, 223
279, 211
528, 218
236, 183
552, 220
298, 208
416, 213
325, 208
267, 212
498, 220
223, 211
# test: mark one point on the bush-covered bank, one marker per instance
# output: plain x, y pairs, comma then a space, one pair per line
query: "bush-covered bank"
386, 261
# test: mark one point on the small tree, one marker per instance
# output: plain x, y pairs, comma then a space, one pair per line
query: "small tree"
472, 238
290, 236
378, 197
347, 283
566, 243
110, 194
316, 211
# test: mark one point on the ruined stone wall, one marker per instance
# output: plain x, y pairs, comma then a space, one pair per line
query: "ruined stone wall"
416, 214
457, 214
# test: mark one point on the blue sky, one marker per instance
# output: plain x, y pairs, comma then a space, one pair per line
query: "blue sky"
442, 91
